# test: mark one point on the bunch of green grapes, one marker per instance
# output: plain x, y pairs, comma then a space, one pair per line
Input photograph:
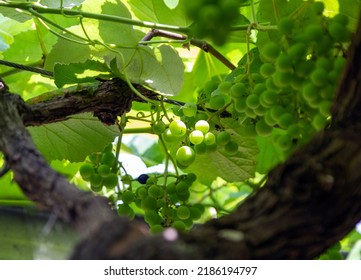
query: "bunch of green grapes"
164, 205
101, 170
294, 87
213, 18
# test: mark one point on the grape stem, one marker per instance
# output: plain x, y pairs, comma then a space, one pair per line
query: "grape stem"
203, 45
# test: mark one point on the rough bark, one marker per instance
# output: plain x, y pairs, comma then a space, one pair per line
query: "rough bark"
308, 202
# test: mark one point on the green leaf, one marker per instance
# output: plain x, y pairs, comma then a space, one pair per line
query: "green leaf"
73, 139
73, 73
10, 193
3, 45
232, 168
56, 4
159, 68
160, 11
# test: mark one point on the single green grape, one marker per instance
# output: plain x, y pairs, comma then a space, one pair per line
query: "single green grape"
149, 203
314, 32
270, 51
324, 63
152, 217
297, 51
124, 210
269, 120
319, 121
310, 91
183, 212
159, 127
154, 229
110, 181
267, 69
189, 109
178, 128
96, 180
185, 155
127, 197
155, 191
209, 138
231, 147
210, 86
319, 76
225, 87
127, 179
238, 90
200, 148
282, 79
284, 62
269, 97
86, 170
168, 136
317, 8
202, 126
341, 19
191, 177
182, 187
104, 170
179, 225
196, 137
171, 188
263, 129
339, 32
108, 158
286, 120
223, 138
217, 101
240, 105
252, 101
141, 193
286, 25
195, 213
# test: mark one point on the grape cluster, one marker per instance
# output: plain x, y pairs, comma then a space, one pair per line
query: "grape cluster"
294, 87
101, 170
213, 18
164, 205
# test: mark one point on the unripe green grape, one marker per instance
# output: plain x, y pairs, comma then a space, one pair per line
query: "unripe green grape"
161, 202
96, 188
324, 63
250, 113
317, 8
201, 116
284, 63
252, 101
195, 213
142, 193
155, 191
286, 120
319, 76
179, 225
339, 32
297, 51
333, 76
277, 111
238, 90
110, 181
240, 105
267, 69
310, 91
269, 120
217, 101
171, 188
108, 158
200, 148
94, 158
257, 78
185, 155
294, 130
319, 121
191, 177
304, 68
183, 212
260, 110
127, 197
286, 25
225, 87
282, 79
270, 51
149, 203
270, 84
231, 147
183, 196
270, 97
168, 136
263, 129
196, 137
210, 86
259, 88
182, 187
178, 128
189, 109
209, 138
314, 32
96, 180
104, 170
159, 127
86, 170
297, 83
124, 210
339, 63
152, 217
202, 126
155, 229
127, 179
341, 19
223, 138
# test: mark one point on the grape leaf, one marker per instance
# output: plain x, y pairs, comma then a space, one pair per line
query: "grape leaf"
3, 45
159, 68
73, 73
269, 154
73, 139
159, 11
232, 168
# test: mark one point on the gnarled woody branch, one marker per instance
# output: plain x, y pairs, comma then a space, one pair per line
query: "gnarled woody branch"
309, 202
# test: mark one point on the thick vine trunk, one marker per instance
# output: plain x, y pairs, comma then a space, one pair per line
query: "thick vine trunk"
308, 202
